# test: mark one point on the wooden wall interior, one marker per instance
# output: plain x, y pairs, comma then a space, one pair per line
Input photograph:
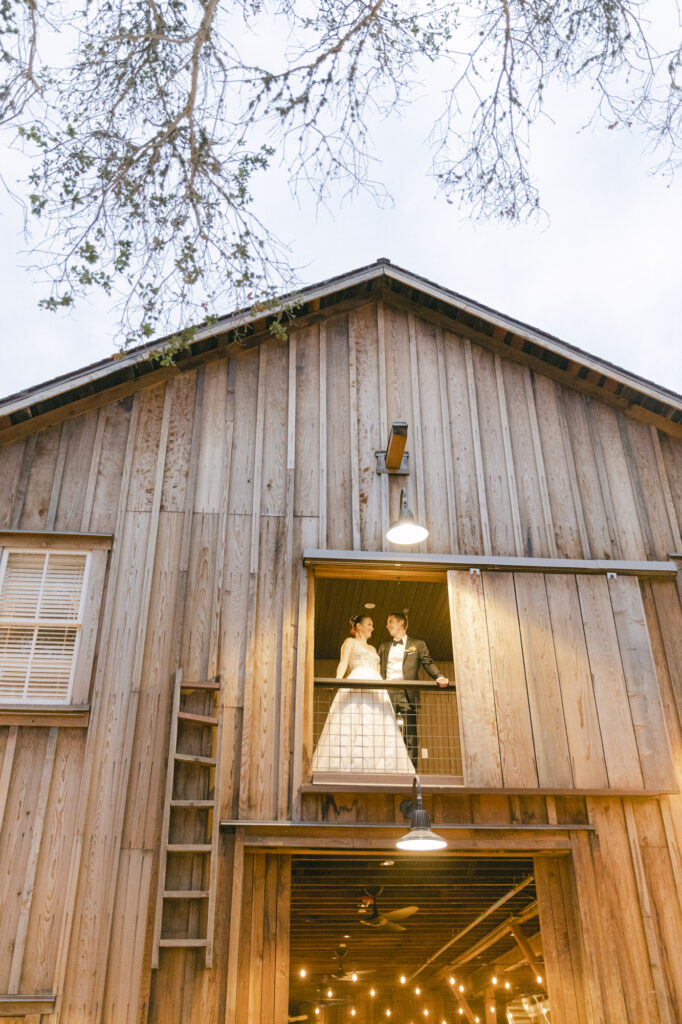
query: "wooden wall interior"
212, 484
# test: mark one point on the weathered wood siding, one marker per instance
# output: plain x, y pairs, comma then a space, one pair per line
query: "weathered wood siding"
212, 484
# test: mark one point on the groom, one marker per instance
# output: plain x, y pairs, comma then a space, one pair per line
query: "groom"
401, 658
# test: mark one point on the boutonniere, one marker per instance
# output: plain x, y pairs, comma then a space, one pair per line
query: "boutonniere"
410, 650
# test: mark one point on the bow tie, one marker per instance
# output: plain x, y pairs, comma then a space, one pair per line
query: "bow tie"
397, 643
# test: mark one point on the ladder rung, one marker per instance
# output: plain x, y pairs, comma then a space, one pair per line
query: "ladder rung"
194, 759
187, 894
183, 943
187, 716
193, 803
200, 686
189, 848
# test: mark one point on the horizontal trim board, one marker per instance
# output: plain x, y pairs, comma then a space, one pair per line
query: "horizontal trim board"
71, 716
20, 1005
353, 785
356, 563
53, 539
294, 828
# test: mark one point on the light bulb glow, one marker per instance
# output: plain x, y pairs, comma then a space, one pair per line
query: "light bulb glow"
403, 979
329, 993
494, 980
388, 1013
372, 992
352, 1012
317, 1011
461, 1011
406, 533
507, 985
461, 988
418, 990
539, 979
353, 976
452, 980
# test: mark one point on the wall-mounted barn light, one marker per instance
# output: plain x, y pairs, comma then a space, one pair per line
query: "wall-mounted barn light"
395, 459
405, 530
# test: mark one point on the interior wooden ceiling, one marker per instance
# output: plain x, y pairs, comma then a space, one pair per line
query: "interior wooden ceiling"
450, 893
337, 600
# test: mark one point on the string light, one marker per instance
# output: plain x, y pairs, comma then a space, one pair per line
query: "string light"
461, 1011
317, 1011
539, 979
461, 988
403, 979
426, 1013
303, 972
452, 980
329, 993
372, 992
507, 985
352, 1011
353, 976
418, 991
494, 980
388, 1013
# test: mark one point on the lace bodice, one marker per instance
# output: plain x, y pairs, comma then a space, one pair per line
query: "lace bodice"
364, 656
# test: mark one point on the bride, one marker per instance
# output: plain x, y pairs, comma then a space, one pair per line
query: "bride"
361, 733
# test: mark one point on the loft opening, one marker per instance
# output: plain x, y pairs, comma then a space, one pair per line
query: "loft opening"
377, 731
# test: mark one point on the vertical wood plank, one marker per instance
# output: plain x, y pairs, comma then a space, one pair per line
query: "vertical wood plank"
417, 442
478, 455
475, 693
613, 708
508, 457
288, 602
322, 522
353, 425
12, 463
544, 692
64, 436
646, 711
665, 488
6, 771
383, 418
93, 470
282, 940
255, 967
238, 893
575, 680
447, 444
32, 863
540, 465
647, 916
509, 682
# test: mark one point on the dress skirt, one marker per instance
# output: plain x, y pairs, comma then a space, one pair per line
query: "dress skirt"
361, 734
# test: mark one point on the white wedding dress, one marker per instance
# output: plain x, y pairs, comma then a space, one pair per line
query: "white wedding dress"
361, 733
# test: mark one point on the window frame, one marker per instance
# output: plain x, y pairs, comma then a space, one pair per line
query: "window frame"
73, 711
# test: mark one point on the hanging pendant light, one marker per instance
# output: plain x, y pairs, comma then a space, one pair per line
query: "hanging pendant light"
420, 837
405, 530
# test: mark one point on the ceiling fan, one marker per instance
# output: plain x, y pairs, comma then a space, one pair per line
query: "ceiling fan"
388, 921
342, 973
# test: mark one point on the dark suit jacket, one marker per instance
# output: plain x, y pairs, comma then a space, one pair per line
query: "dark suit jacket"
416, 656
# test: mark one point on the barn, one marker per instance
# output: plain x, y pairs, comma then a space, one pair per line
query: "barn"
198, 819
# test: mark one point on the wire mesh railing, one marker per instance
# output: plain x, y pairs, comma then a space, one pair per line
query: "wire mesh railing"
391, 729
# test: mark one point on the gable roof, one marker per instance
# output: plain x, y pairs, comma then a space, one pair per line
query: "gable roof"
109, 378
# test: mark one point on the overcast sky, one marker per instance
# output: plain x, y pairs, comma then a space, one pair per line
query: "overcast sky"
602, 274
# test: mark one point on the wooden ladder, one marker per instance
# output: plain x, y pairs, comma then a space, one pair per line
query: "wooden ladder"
188, 869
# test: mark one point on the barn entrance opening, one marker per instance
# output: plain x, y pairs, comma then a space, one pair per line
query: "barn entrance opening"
407, 939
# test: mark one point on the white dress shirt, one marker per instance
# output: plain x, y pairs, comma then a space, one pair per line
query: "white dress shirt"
394, 665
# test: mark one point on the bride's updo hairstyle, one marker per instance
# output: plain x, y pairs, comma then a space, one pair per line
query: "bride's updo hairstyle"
355, 621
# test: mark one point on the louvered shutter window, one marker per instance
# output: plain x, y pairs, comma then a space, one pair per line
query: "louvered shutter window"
41, 615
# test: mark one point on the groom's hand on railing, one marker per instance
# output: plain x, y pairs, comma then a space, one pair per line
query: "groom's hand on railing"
442, 682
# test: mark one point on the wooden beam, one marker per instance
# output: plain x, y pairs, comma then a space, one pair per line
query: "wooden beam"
528, 953
495, 935
20, 1005
477, 920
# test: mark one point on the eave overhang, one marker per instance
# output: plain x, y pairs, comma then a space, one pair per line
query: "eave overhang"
109, 379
